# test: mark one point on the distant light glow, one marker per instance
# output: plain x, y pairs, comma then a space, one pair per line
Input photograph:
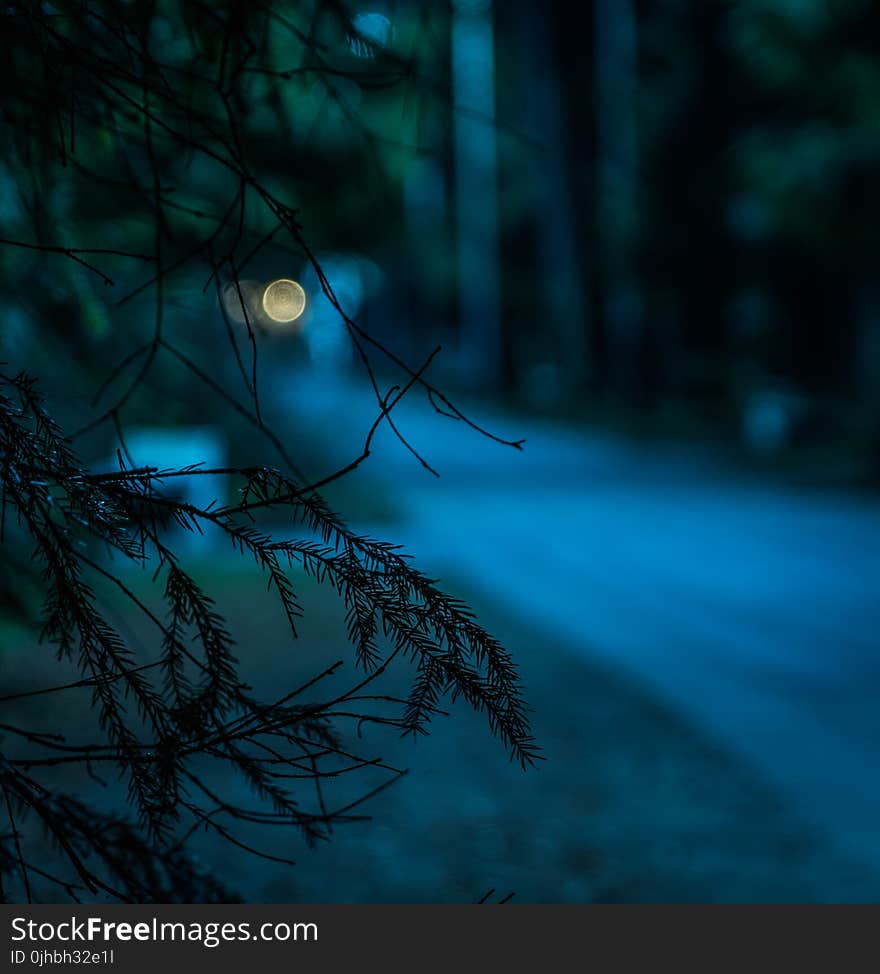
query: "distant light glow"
240, 299
284, 300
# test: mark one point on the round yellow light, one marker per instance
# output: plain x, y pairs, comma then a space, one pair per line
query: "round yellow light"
284, 300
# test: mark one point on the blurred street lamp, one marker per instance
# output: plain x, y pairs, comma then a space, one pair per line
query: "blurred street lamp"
278, 302
284, 300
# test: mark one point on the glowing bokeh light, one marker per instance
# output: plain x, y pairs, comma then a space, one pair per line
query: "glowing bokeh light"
284, 300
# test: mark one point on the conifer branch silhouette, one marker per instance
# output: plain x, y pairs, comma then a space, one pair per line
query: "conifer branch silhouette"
78, 73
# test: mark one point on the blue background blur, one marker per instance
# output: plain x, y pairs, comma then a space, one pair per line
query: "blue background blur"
644, 232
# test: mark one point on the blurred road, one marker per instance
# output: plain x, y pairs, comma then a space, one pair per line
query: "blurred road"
752, 608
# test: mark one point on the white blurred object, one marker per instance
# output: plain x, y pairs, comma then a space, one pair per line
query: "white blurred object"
174, 449
373, 32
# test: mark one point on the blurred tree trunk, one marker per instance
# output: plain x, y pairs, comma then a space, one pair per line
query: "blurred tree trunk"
617, 201
562, 276
476, 190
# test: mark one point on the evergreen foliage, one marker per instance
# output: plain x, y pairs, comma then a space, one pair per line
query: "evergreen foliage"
150, 109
